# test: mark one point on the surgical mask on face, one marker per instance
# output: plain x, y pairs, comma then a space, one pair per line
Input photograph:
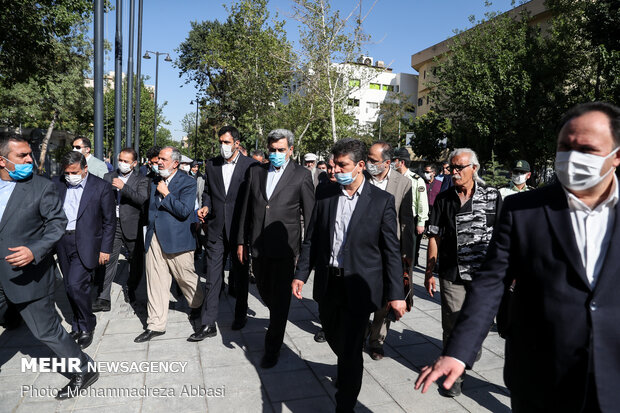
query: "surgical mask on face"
21, 172
519, 179
155, 168
579, 171
428, 175
277, 159
393, 166
184, 168
226, 151
74, 180
374, 170
164, 173
124, 167
345, 178
77, 150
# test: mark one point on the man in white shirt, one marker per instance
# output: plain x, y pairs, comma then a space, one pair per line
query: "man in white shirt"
559, 244
95, 166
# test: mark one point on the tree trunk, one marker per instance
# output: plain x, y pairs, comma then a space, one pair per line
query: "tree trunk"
46, 141
332, 112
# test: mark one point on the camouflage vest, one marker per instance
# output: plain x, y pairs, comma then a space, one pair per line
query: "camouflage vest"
474, 229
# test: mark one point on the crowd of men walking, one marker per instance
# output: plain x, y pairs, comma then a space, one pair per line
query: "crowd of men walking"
356, 219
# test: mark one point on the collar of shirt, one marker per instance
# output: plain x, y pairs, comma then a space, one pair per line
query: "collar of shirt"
167, 181
281, 169
234, 161
387, 177
357, 192
576, 204
87, 157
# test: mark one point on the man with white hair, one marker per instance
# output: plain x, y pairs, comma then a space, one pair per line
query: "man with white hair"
461, 222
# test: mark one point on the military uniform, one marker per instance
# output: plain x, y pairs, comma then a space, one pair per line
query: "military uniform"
512, 189
420, 207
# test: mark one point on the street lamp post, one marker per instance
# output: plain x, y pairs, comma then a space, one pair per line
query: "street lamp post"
167, 59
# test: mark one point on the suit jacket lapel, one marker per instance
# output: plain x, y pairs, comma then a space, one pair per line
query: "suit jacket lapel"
87, 193
262, 177
611, 262
333, 211
14, 201
236, 172
286, 175
219, 176
559, 218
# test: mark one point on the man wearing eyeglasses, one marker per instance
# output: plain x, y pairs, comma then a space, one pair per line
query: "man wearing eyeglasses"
95, 165
461, 223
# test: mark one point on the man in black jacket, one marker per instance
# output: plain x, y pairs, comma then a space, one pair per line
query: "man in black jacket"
278, 194
352, 245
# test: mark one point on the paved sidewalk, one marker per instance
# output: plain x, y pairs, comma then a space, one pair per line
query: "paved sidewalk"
226, 368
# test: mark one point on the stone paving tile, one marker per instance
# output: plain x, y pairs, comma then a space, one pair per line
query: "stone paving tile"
291, 385
322, 404
414, 401
241, 379
419, 355
256, 401
484, 399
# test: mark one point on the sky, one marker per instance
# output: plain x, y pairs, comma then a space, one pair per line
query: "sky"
398, 29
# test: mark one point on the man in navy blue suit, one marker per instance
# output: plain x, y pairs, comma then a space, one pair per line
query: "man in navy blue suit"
559, 246
88, 203
352, 244
169, 242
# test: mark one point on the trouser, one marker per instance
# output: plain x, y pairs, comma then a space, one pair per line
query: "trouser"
106, 276
77, 279
273, 280
344, 331
529, 405
217, 252
159, 267
379, 329
44, 323
452, 299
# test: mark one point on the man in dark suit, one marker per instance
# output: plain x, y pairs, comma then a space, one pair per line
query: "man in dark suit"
559, 244
352, 245
169, 242
88, 203
131, 191
221, 206
277, 195
31, 223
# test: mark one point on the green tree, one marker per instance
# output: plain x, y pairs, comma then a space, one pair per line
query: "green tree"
395, 119
494, 174
432, 132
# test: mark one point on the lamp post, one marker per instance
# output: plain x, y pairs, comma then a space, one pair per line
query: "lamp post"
167, 59
196, 133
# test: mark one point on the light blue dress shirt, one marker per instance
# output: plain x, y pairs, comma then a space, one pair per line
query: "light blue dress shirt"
346, 206
6, 189
72, 203
273, 177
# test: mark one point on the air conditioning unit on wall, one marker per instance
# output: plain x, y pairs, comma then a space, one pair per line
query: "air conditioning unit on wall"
366, 60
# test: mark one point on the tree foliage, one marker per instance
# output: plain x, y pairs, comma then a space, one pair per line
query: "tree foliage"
394, 119
432, 132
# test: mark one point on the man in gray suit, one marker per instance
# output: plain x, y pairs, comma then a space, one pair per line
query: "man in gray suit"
95, 165
382, 176
31, 223
276, 196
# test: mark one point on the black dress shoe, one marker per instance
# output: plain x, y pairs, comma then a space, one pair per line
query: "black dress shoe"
85, 339
204, 332
147, 335
453, 391
269, 360
376, 354
238, 324
129, 295
319, 337
79, 381
101, 305
75, 334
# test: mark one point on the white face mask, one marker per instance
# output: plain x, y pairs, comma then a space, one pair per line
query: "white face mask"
164, 173
519, 179
74, 180
428, 175
184, 168
226, 151
374, 170
579, 171
124, 167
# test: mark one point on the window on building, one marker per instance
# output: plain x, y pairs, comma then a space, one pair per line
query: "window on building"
376, 86
373, 105
425, 74
427, 100
353, 102
388, 88
354, 82
420, 102
396, 88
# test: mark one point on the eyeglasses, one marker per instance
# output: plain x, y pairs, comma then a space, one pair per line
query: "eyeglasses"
77, 147
459, 168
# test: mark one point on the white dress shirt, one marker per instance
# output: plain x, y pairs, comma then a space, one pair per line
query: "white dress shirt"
273, 177
344, 212
123, 178
593, 230
382, 184
227, 171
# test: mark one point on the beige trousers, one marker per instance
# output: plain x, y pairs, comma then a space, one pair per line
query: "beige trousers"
379, 329
159, 268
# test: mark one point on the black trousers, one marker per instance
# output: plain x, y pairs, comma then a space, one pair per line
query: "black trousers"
217, 252
104, 275
273, 280
345, 332
77, 279
44, 323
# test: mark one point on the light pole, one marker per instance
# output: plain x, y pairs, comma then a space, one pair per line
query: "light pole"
167, 59
196, 133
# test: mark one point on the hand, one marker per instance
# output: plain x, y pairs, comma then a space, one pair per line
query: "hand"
117, 183
202, 213
429, 283
162, 188
103, 258
419, 230
399, 307
21, 257
297, 285
444, 366
407, 263
242, 253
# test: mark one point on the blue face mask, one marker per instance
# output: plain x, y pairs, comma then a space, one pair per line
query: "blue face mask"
345, 178
21, 172
277, 159
155, 168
